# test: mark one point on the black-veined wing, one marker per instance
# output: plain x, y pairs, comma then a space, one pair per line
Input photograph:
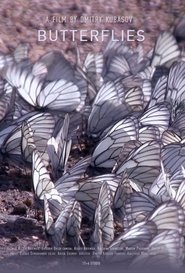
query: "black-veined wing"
59, 147
168, 216
168, 183
166, 49
27, 85
82, 82
119, 54
159, 92
147, 73
58, 231
131, 82
158, 189
87, 195
42, 182
7, 101
165, 186
74, 224
114, 47
67, 184
129, 147
39, 70
89, 189
180, 195
48, 218
107, 151
21, 108
5, 59
127, 246
27, 142
104, 115
166, 251
93, 67
44, 187
148, 133
169, 137
123, 190
137, 206
117, 67
147, 91
21, 52
158, 115
58, 95
58, 68
55, 202
107, 108
103, 233
173, 157
112, 104
134, 98
42, 126
176, 83
11, 144
2, 86
139, 49
179, 124
143, 165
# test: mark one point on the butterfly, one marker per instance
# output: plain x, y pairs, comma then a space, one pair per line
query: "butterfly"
127, 246
168, 216
59, 148
173, 157
103, 233
175, 84
166, 49
124, 189
142, 165
158, 115
108, 149
61, 95
93, 67
138, 206
112, 104
89, 189
41, 125
166, 251
74, 225
56, 230
67, 185
19, 56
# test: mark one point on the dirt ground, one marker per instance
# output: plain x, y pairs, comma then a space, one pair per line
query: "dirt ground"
20, 227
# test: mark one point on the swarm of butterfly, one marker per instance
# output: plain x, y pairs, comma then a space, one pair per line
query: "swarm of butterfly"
131, 108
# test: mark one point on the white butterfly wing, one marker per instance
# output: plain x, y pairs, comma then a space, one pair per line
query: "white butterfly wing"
108, 149
41, 179
166, 251
143, 164
74, 224
26, 84
104, 223
59, 95
166, 49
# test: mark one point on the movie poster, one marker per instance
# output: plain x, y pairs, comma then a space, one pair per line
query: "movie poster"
92, 108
